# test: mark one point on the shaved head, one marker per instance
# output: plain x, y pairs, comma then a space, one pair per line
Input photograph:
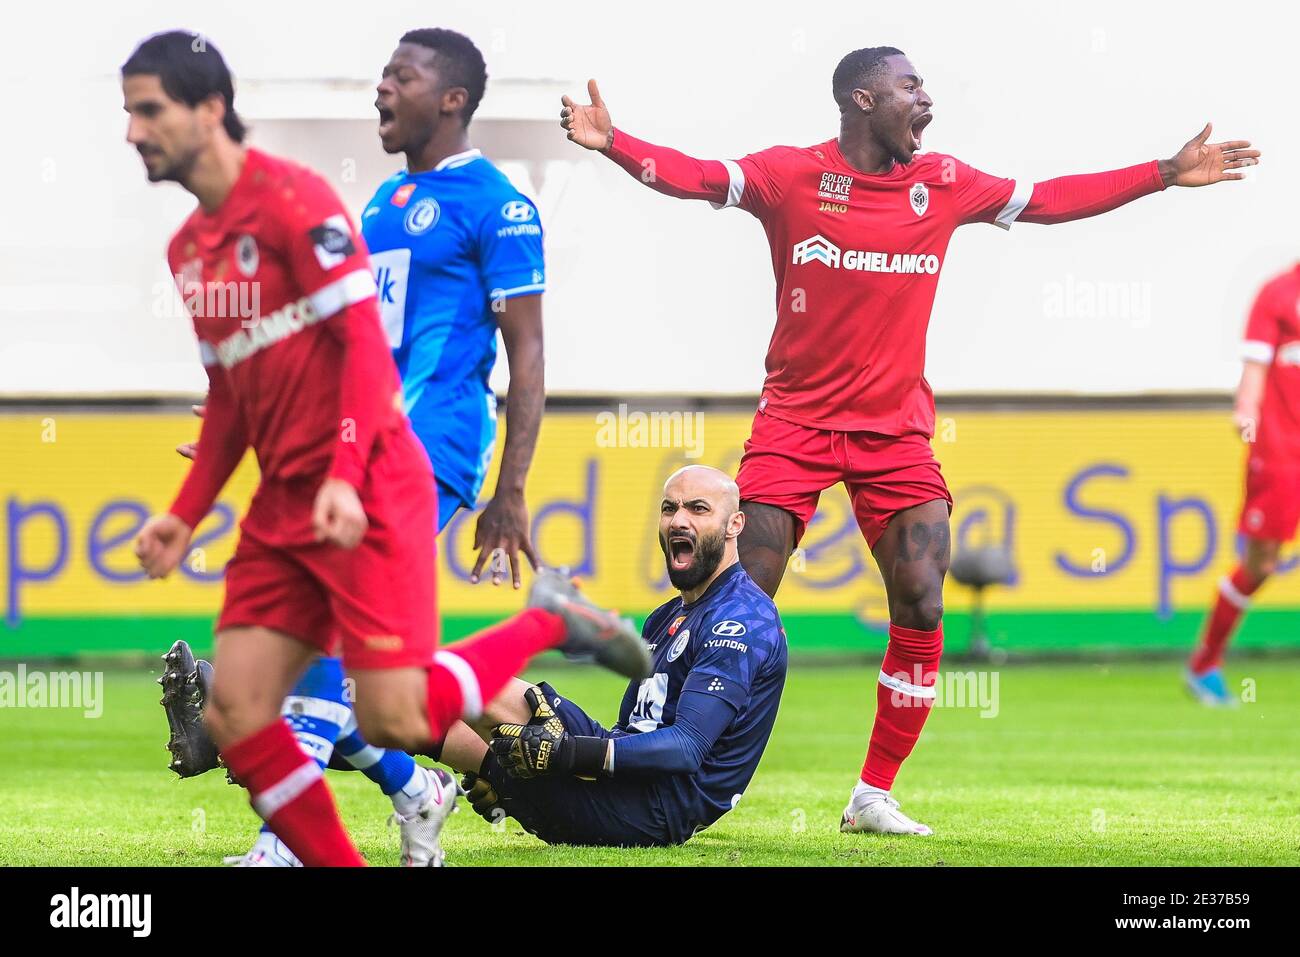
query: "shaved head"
699, 522
704, 481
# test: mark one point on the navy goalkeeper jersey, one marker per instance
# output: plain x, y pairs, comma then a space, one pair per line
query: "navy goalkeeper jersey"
729, 644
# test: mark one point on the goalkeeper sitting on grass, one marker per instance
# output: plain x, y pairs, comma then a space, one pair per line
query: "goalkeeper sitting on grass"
688, 738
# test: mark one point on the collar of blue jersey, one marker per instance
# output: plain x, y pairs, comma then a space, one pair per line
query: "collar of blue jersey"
456, 160
728, 573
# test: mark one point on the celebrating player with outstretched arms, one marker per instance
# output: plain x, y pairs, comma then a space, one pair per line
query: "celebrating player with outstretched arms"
858, 227
338, 542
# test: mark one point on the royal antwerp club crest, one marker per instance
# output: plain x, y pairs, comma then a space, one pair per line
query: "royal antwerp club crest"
919, 197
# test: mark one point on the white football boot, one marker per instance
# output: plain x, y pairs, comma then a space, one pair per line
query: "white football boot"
875, 812
269, 851
420, 831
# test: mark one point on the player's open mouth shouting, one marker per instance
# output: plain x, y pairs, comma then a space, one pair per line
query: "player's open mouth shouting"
918, 125
387, 120
681, 550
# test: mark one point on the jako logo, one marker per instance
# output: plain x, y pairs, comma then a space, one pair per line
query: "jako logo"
817, 249
729, 629
517, 211
103, 910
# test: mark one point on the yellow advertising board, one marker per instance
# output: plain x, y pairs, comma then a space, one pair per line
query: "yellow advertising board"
1107, 513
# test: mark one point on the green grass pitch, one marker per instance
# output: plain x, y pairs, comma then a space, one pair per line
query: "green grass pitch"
1084, 764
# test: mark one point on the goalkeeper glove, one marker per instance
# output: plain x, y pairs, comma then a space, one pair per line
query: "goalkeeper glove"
483, 798
543, 746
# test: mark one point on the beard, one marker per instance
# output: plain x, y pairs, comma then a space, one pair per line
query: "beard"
171, 170
708, 552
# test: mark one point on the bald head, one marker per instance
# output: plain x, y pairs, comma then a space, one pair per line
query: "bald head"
699, 522
703, 481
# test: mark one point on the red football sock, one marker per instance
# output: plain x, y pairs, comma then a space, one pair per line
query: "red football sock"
1234, 598
286, 788
904, 698
465, 676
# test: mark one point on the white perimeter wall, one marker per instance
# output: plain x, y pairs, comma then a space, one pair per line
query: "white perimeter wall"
654, 295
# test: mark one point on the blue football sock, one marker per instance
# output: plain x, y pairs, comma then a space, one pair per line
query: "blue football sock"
395, 772
316, 710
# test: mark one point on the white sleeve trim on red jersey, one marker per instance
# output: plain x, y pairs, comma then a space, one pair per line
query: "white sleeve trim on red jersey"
207, 354
735, 185
1252, 350
356, 286
1021, 193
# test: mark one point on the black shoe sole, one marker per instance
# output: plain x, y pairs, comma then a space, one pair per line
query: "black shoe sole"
186, 683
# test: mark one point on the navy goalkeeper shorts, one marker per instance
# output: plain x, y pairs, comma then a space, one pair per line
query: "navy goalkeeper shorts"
607, 812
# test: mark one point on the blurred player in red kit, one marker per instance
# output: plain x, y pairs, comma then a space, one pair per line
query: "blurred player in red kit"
1268, 417
338, 543
858, 228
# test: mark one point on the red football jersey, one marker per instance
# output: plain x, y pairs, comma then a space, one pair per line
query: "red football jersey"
1273, 338
261, 277
857, 260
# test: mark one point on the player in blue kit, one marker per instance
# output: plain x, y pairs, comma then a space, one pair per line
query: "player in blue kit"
688, 738
457, 254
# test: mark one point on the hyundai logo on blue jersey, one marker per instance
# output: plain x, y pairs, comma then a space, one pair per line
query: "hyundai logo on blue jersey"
517, 211
729, 629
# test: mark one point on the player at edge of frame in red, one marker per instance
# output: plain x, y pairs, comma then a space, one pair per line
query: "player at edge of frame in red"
1267, 415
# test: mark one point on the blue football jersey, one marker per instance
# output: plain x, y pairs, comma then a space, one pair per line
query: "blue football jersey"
729, 643
445, 245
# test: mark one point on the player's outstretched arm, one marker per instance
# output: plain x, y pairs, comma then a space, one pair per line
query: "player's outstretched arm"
1202, 163
588, 126
662, 169
1199, 163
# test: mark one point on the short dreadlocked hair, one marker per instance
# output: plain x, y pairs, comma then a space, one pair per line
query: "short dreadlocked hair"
459, 62
855, 71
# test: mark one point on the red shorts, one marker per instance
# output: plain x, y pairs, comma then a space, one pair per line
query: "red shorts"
789, 466
378, 601
1272, 508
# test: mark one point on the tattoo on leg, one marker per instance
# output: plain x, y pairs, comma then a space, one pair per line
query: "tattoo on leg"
766, 543
922, 536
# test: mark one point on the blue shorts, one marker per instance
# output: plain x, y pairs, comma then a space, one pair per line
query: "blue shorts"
607, 812
448, 501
